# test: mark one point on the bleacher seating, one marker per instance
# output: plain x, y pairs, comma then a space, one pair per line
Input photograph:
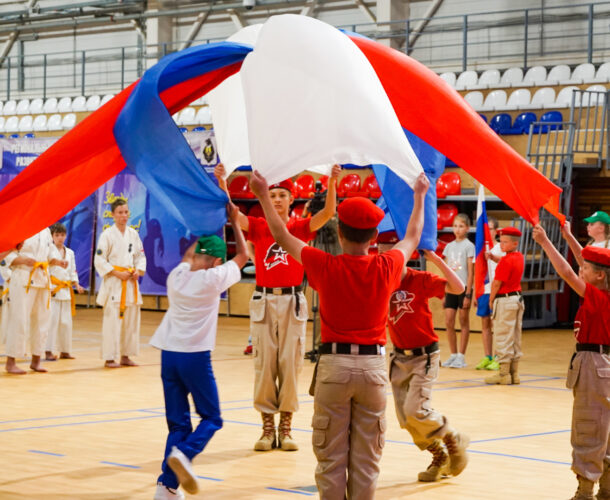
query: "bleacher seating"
558, 75
452, 182
9, 108
349, 185
240, 188
511, 77
93, 102
79, 104
64, 105
106, 98
68, 121
371, 187
466, 80
501, 124
50, 106
304, 186
536, 75
23, 107
523, 121
54, 123
549, 117
518, 99
602, 75
543, 98
583, 73
564, 97
187, 116
475, 99
40, 123
445, 214
489, 78
2, 122
12, 124
496, 99
204, 115
36, 106
26, 123
449, 77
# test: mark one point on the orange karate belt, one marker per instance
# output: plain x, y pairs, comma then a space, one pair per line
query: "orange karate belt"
59, 285
4, 292
124, 289
45, 267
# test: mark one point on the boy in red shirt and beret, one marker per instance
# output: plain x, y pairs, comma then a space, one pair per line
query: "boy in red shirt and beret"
508, 308
354, 288
589, 366
414, 366
278, 309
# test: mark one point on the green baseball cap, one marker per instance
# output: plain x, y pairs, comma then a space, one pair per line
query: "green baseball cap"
599, 216
212, 245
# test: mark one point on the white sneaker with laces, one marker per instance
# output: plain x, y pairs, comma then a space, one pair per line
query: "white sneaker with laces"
449, 362
164, 493
459, 361
183, 469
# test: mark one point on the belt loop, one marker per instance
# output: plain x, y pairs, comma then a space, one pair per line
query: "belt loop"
354, 349
333, 348
427, 362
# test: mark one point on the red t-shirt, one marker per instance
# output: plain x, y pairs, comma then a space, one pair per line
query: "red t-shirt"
510, 271
592, 322
410, 318
274, 267
354, 293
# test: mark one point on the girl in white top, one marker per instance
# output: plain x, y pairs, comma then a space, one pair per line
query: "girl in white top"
598, 229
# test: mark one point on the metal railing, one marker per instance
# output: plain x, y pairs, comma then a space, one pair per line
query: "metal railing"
589, 113
570, 34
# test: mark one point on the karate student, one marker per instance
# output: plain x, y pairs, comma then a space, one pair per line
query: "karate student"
186, 337
62, 298
30, 294
350, 388
120, 260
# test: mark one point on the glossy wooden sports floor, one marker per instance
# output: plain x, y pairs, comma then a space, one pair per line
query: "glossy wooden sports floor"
85, 432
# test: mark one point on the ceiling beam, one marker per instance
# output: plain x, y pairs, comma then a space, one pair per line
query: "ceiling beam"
237, 19
309, 8
201, 18
366, 11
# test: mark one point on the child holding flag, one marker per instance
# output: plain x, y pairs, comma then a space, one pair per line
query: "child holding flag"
589, 366
488, 253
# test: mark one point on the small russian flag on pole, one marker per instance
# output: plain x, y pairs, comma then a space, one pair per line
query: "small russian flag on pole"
483, 243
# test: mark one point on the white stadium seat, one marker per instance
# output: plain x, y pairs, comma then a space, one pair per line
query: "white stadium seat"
496, 99
449, 77
79, 104
543, 98
534, 76
475, 99
23, 107
26, 123
36, 106
106, 98
12, 124
489, 78
204, 115
511, 77
603, 74
93, 102
595, 98
54, 122
1, 106
50, 106
187, 116
519, 99
466, 80
564, 97
40, 123
10, 107
68, 121
558, 74
2, 122
64, 105
583, 73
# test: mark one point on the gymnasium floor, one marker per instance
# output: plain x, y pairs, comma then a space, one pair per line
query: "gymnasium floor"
85, 432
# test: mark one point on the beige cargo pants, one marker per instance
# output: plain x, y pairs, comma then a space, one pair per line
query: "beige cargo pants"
507, 320
349, 424
589, 379
278, 346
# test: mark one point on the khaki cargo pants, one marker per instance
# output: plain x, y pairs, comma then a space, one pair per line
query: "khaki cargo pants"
278, 346
589, 379
412, 388
507, 320
349, 424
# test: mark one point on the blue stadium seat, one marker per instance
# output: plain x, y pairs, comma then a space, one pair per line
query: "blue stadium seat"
29, 136
483, 117
523, 122
199, 129
14, 136
549, 117
184, 130
501, 124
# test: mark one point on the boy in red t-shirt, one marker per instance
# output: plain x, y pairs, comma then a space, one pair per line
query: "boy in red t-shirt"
508, 308
414, 366
354, 289
589, 366
278, 310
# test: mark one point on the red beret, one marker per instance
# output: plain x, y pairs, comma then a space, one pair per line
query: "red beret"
360, 213
510, 231
599, 256
286, 184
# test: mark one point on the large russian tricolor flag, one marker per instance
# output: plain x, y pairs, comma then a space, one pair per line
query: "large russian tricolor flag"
483, 243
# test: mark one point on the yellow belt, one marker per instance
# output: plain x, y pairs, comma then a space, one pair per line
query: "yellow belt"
45, 267
124, 289
4, 291
59, 285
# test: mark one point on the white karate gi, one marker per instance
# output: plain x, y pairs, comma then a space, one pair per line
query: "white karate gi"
124, 250
60, 329
5, 272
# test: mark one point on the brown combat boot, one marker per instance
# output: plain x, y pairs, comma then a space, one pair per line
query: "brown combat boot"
267, 441
286, 442
604, 484
514, 372
456, 444
439, 466
502, 377
585, 489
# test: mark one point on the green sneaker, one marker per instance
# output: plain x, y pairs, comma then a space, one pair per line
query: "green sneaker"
483, 364
493, 365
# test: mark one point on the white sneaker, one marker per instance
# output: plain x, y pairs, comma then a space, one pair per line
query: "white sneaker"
459, 361
449, 362
183, 469
164, 493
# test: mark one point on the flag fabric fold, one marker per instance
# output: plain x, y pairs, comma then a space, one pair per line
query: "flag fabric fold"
483, 243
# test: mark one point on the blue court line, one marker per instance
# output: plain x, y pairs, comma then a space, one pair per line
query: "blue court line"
114, 412
47, 453
77, 423
210, 478
520, 436
121, 465
544, 460
547, 388
296, 492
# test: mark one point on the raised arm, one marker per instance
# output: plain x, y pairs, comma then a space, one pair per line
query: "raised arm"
241, 256
454, 283
416, 223
561, 265
221, 175
566, 233
330, 206
278, 229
